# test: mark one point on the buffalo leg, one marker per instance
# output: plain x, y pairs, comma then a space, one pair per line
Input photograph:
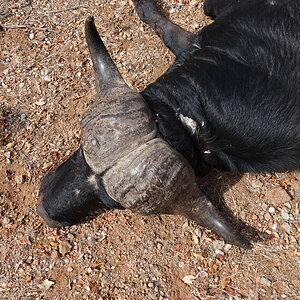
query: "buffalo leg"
174, 37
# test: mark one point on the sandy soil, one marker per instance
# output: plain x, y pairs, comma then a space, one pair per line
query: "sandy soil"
46, 84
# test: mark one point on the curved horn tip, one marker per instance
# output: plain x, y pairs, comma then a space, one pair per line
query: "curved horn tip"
241, 242
207, 215
90, 19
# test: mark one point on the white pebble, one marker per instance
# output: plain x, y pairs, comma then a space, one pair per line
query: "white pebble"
284, 215
271, 210
267, 216
287, 227
6, 221
219, 252
7, 154
265, 281
217, 245
227, 247
47, 78
198, 232
288, 205
195, 239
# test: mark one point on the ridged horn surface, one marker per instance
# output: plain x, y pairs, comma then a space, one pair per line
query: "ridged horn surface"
119, 119
149, 179
156, 179
143, 173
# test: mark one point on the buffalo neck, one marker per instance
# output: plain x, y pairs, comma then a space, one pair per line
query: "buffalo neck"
176, 127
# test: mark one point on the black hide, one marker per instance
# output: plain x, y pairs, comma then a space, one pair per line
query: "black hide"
73, 191
240, 81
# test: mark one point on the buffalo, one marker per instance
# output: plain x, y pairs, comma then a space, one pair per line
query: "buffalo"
230, 101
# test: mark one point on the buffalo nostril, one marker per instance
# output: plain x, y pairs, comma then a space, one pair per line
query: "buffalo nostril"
44, 215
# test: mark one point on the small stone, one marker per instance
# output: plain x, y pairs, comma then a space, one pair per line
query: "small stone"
6, 221
288, 205
70, 269
256, 184
70, 236
20, 179
31, 36
195, 239
286, 227
265, 281
296, 187
181, 264
64, 248
29, 260
54, 255
46, 284
277, 196
198, 232
185, 225
150, 285
47, 78
202, 274
271, 210
227, 247
285, 216
217, 245
7, 154
188, 279
267, 216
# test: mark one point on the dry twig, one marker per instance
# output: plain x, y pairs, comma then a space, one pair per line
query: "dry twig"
7, 26
64, 9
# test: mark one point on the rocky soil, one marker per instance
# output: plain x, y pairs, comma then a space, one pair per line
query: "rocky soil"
46, 84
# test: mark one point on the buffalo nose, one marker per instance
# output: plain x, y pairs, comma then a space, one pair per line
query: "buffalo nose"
42, 213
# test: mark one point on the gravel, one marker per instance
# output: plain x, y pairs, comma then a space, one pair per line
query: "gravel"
46, 84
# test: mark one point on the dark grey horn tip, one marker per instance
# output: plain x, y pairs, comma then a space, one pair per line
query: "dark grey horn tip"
90, 19
244, 244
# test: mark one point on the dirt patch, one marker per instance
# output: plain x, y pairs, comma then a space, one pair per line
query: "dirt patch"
46, 85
